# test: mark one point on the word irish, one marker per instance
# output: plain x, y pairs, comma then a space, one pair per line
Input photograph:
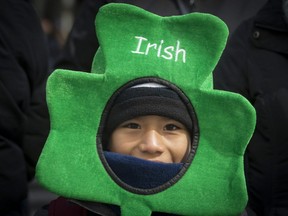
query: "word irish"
144, 47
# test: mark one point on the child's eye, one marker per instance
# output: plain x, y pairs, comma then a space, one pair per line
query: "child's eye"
171, 127
132, 126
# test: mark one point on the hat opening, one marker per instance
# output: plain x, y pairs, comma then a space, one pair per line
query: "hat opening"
146, 97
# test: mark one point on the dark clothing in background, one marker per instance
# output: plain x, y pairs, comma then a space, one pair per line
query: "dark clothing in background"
24, 120
232, 12
255, 64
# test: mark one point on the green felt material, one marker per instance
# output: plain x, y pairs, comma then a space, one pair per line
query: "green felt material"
214, 183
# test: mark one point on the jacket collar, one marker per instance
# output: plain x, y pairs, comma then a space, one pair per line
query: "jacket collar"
270, 30
98, 208
271, 16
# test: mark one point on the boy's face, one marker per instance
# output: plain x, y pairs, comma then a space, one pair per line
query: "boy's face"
153, 138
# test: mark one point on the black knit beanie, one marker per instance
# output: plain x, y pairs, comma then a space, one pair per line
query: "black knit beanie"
147, 99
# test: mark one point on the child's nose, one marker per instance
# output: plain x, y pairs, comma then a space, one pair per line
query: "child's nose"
152, 142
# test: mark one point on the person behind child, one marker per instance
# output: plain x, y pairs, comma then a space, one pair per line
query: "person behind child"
24, 120
255, 64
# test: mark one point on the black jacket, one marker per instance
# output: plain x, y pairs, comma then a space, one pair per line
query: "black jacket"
255, 64
24, 118
65, 207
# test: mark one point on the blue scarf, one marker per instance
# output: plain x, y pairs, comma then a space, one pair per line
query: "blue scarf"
140, 173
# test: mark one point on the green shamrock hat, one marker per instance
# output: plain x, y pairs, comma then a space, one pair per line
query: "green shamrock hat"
137, 45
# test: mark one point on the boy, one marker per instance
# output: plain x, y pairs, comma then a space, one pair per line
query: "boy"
166, 141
